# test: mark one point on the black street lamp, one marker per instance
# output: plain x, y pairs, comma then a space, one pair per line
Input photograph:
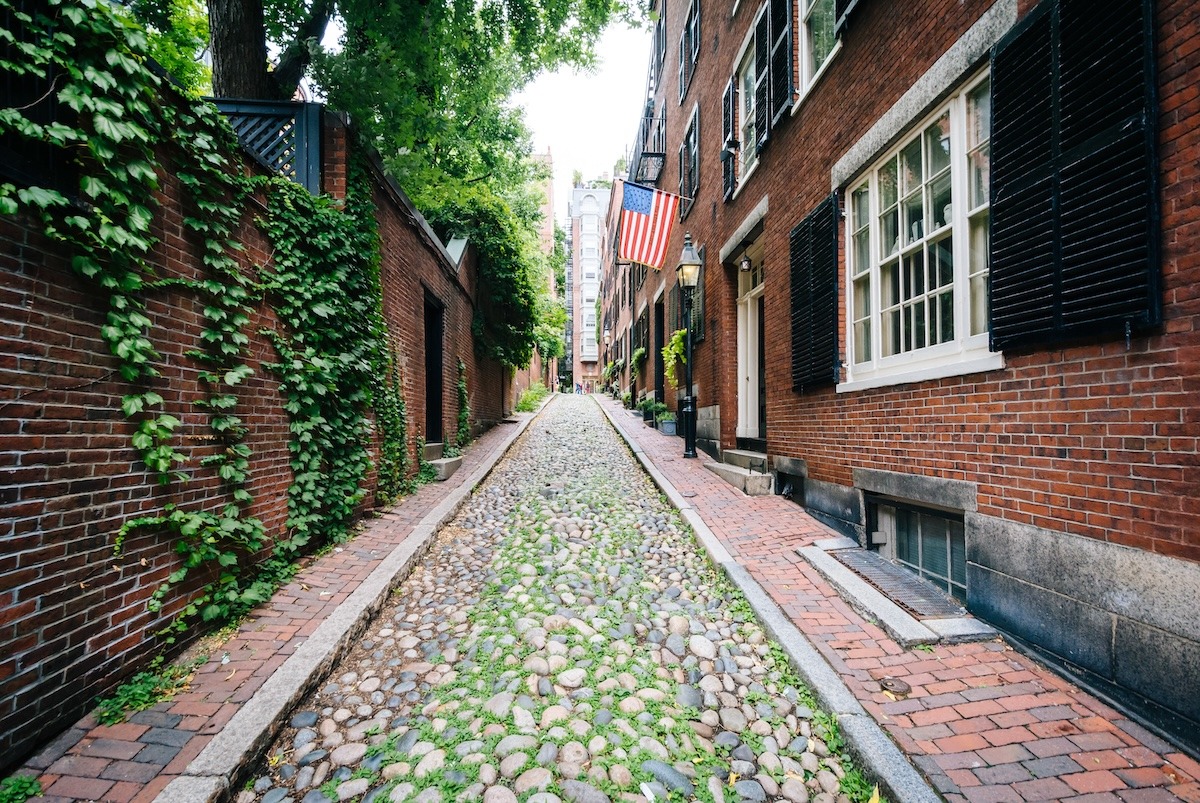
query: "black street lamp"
688, 273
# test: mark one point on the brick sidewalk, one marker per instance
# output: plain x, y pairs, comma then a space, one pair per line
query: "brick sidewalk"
135, 760
982, 721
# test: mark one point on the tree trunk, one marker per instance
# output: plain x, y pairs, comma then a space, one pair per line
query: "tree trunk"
239, 50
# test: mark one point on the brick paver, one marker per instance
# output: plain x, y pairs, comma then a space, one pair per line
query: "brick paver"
133, 761
982, 721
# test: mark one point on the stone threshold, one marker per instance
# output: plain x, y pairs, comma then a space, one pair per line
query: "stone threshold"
900, 624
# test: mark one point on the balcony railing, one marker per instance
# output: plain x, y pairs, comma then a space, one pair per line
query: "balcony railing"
649, 150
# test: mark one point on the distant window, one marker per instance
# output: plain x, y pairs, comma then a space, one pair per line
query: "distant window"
689, 48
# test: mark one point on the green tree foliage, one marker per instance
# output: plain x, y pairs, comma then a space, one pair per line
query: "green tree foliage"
558, 262
506, 310
177, 34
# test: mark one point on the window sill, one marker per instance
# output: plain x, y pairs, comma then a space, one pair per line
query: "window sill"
744, 180
987, 362
837, 48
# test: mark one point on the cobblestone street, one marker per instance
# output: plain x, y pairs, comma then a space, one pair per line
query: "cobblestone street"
565, 638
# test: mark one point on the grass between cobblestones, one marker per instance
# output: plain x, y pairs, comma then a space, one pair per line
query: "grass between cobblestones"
567, 644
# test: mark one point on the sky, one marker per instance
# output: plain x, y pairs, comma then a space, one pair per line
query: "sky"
589, 120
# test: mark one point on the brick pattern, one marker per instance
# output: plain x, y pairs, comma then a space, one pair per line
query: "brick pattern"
982, 722
133, 761
1098, 439
73, 620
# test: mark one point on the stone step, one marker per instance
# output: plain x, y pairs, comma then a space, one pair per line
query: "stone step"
433, 451
756, 461
751, 483
446, 466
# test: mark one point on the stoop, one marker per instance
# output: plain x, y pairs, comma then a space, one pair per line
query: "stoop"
444, 466
744, 470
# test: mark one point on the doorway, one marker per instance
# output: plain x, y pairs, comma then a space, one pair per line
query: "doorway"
435, 329
751, 348
659, 342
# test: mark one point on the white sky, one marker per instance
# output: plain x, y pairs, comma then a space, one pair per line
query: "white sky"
589, 120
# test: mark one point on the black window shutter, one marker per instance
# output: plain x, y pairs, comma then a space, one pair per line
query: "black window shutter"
674, 319
698, 300
1023, 230
1074, 182
813, 254
781, 58
682, 177
762, 81
842, 9
728, 158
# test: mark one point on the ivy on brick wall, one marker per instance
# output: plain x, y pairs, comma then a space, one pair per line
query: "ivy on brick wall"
116, 124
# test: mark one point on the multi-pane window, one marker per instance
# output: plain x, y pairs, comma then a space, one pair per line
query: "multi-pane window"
818, 38
918, 244
748, 152
930, 543
689, 48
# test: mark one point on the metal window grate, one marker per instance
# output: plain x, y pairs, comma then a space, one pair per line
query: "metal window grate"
917, 596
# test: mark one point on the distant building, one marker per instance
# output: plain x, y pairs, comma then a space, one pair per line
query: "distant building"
589, 206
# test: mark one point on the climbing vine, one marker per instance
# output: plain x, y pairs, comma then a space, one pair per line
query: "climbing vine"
391, 416
463, 436
112, 124
324, 285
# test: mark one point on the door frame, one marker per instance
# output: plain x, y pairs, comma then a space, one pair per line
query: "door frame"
749, 326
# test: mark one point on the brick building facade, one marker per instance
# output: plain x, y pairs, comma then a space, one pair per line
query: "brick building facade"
73, 618
950, 291
587, 213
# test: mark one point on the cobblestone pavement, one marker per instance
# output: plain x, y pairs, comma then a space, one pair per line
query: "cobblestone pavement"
982, 722
565, 638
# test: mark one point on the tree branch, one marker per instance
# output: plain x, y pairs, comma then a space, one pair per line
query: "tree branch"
296, 57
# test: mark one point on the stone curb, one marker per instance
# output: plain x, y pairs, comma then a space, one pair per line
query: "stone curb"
870, 746
211, 775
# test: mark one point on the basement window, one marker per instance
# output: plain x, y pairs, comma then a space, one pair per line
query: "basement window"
930, 543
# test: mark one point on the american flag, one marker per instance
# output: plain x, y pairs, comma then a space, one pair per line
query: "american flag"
646, 218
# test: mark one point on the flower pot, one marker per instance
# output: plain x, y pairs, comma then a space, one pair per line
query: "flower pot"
666, 427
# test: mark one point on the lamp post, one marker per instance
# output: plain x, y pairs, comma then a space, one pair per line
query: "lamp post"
688, 273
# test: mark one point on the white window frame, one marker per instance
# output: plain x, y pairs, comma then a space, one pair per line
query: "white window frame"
965, 353
807, 75
747, 147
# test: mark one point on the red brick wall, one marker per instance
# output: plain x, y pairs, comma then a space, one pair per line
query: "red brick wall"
1096, 440
73, 619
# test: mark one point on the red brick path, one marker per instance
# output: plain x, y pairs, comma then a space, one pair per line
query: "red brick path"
135, 760
982, 722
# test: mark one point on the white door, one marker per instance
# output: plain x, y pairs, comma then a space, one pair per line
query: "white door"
750, 290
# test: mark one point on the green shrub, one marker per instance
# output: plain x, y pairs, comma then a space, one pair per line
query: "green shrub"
532, 397
19, 788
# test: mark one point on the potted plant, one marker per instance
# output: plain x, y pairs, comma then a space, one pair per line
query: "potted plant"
627, 399
666, 423
657, 410
646, 405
